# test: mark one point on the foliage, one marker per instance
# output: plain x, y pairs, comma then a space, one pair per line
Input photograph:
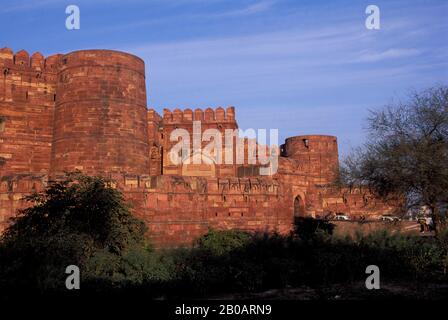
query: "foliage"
275, 261
264, 261
222, 242
71, 221
74, 222
407, 151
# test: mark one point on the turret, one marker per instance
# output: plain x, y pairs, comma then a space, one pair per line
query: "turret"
100, 115
318, 154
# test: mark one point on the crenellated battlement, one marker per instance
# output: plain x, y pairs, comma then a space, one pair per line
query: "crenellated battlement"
22, 61
208, 115
28, 79
154, 116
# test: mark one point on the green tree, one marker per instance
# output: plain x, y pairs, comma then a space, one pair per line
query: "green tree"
68, 223
407, 152
223, 242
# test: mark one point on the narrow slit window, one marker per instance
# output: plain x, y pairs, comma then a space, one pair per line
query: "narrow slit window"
2, 124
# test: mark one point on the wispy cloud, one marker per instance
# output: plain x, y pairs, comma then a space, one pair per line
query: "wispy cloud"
251, 9
288, 62
393, 53
206, 14
27, 5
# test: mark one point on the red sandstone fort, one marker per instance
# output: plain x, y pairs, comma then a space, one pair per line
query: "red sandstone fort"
87, 111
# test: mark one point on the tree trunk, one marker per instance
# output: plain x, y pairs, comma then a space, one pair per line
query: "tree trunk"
436, 218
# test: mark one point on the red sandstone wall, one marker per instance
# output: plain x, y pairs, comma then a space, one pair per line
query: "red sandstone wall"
178, 210
12, 191
27, 90
357, 203
155, 141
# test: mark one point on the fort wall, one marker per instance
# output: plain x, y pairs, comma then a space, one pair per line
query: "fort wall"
179, 209
86, 110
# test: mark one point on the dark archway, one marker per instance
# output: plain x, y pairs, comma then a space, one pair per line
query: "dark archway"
299, 207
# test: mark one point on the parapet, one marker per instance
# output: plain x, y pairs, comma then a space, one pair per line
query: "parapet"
208, 115
116, 60
52, 62
23, 61
37, 62
154, 116
22, 58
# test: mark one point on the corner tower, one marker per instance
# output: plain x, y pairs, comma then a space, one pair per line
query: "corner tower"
100, 119
317, 155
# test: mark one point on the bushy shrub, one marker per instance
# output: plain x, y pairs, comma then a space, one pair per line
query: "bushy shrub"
222, 242
226, 262
274, 261
80, 220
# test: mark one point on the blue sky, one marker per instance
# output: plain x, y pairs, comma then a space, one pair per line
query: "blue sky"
305, 67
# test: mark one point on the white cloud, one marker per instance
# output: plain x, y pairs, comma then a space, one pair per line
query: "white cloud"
368, 56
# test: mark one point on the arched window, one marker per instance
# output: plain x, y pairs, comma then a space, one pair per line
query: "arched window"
299, 207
